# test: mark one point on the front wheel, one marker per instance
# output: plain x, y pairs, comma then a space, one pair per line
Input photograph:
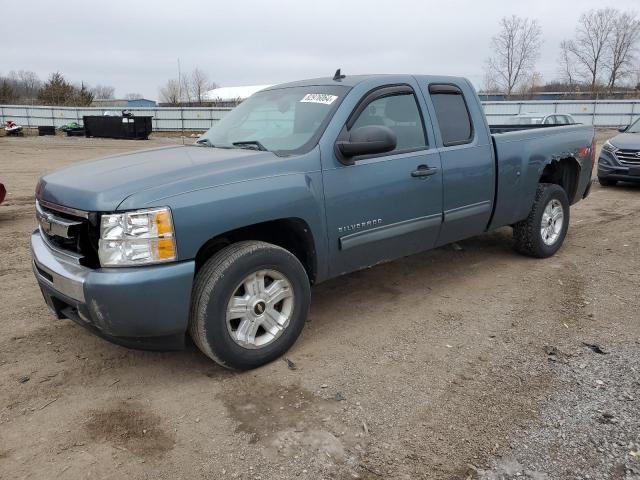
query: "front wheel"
250, 303
542, 233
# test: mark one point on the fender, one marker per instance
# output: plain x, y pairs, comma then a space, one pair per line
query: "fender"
203, 214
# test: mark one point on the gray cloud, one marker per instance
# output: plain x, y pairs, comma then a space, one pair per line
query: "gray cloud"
134, 46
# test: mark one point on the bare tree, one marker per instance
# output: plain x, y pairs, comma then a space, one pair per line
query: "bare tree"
199, 85
185, 88
567, 64
515, 49
103, 92
7, 92
170, 92
133, 96
622, 43
25, 86
30, 83
590, 44
488, 83
530, 85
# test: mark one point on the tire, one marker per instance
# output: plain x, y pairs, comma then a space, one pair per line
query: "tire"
231, 272
606, 182
530, 239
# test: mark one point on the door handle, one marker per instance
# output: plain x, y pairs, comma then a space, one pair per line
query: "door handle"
424, 171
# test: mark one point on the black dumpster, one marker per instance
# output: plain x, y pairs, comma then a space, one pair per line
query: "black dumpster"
46, 130
137, 128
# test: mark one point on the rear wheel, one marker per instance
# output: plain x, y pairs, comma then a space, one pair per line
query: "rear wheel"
542, 233
249, 305
607, 182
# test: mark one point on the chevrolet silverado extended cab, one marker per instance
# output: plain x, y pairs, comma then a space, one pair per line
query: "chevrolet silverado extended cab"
302, 182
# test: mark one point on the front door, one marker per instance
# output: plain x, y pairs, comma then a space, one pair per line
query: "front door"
388, 205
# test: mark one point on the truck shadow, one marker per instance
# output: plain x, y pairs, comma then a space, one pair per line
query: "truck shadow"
332, 302
438, 266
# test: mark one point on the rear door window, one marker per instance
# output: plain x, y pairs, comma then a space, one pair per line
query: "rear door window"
452, 114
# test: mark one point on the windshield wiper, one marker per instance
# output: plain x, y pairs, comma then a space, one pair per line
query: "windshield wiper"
251, 143
205, 141
208, 143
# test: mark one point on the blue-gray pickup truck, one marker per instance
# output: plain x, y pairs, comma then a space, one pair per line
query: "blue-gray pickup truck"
302, 182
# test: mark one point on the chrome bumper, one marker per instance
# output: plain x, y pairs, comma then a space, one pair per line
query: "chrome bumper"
56, 271
142, 307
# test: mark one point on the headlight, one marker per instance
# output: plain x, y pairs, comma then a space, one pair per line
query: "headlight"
609, 147
136, 238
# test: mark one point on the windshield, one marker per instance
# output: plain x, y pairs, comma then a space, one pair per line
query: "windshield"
284, 121
526, 120
634, 128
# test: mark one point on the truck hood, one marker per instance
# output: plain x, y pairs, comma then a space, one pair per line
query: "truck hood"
102, 185
630, 141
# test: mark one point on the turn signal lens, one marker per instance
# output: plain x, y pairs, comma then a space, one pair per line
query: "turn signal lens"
163, 223
166, 249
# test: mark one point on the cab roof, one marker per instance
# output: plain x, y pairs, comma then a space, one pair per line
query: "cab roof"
353, 80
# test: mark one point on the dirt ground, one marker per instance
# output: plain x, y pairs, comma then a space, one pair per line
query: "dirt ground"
459, 363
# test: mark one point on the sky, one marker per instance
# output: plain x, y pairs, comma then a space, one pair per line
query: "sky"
135, 45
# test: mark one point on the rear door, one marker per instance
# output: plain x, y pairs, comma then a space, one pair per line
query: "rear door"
382, 206
466, 153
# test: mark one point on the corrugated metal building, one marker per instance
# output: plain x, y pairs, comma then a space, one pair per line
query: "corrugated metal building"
141, 102
123, 103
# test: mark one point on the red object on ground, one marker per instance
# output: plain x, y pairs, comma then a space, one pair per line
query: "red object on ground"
3, 192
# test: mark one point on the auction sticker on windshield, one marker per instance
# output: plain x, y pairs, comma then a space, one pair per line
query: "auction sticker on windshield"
319, 98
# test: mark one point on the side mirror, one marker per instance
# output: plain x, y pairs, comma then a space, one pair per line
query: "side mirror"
623, 129
368, 140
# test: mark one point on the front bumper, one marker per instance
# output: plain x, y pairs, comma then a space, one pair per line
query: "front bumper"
141, 307
609, 168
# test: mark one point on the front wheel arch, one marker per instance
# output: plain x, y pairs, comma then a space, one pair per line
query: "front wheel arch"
292, 234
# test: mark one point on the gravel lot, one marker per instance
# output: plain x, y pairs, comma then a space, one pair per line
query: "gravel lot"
466, 363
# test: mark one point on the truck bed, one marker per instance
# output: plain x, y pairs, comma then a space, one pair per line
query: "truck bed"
499, 128
520, 159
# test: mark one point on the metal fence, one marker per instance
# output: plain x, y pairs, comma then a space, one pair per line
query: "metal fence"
164, 118
600, 113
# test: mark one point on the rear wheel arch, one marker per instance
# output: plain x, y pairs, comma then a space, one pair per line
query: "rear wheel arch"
564, 172
292, 234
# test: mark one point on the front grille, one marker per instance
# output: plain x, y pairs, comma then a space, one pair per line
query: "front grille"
70, 231
630, 157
